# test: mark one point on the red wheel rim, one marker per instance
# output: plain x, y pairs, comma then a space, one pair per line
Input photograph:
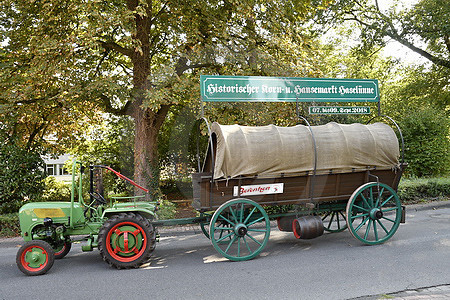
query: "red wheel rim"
278, 224
62, 250
26, 264
129, 252
294, 227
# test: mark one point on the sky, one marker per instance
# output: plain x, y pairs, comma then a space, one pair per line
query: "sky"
397, 50
394, 48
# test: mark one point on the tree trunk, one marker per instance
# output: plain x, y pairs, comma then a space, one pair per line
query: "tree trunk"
146, 167
147, 122
147, 125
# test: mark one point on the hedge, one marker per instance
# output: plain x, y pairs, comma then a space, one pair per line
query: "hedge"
426, 142
9, 225
423, 189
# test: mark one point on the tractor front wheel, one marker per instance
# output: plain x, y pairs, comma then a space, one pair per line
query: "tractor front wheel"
62, 249
35, 258
126, 240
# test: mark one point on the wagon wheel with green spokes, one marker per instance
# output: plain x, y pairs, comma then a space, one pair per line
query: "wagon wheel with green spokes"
374, 213
239, 229
205, 225
222, 224
334, 221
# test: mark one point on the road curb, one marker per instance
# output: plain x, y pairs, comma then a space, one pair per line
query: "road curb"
432, 292
429, 206
11, 242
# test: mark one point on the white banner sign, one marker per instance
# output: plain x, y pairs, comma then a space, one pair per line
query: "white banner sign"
260, 189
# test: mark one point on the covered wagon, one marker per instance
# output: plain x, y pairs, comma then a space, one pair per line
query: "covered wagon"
326, 177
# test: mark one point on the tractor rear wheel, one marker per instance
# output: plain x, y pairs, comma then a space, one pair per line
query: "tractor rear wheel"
126, 240
35, 258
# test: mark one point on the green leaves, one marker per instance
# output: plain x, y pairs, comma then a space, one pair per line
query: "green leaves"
423, 28
426, 138
44, 73
21, 177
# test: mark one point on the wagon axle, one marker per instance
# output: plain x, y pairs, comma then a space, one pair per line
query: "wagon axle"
240, 230
376, 214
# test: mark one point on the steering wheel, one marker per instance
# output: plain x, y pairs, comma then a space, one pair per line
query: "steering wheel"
98, 198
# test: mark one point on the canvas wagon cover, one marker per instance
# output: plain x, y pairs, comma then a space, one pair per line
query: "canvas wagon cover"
272, 150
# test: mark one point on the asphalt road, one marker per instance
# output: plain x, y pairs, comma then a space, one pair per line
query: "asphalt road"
333, 266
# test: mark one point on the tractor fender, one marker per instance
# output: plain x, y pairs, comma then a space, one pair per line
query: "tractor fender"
146, 213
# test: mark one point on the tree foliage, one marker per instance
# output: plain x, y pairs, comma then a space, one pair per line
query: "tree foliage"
21, 177
139, 57
416, 87
109, 144
427, 143
423, 28
41, 75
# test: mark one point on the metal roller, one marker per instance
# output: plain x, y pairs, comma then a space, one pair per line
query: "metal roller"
307, 227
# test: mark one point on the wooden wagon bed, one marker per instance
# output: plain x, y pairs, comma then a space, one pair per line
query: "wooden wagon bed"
209, 194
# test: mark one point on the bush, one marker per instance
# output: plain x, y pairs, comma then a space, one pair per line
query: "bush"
9, 225
21, 177
426, 134
414, 190
55, 190
278, 209
177, 189
167, 210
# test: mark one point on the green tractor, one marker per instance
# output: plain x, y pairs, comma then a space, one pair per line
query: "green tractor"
122, 231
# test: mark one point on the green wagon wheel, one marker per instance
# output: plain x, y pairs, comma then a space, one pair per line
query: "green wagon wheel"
223, 232
205, 229
205, 225
239, 229
374, 213
334, 221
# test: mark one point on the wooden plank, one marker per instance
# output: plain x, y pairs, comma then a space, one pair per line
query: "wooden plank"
327, 188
